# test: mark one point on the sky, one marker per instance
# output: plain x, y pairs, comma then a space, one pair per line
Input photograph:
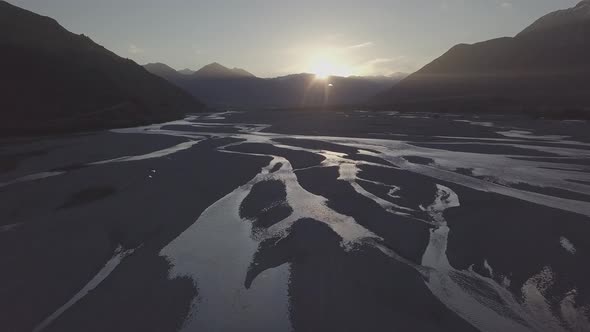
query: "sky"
278, 37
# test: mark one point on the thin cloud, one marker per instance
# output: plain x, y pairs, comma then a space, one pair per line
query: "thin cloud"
385, 66
133, 49
362, 45
382, 60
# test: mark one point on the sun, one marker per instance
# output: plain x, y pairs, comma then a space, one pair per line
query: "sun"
321, 75
323, 68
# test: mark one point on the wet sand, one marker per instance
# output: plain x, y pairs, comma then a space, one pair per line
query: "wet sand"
304, 221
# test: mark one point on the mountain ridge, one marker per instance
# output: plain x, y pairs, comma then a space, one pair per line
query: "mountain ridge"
288, 91
217, 71
581, 12
544, 67
78, 85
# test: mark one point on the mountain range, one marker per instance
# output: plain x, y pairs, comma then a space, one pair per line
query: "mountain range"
545, 67
54, 80
220, 86
216, 71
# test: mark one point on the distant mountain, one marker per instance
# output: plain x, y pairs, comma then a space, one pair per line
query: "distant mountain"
186, 71
223, 87
54, 80
398, 75
217, 71
241, 72
545, 67
394, 77
162, 70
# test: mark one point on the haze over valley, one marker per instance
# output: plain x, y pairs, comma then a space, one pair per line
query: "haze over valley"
219, 86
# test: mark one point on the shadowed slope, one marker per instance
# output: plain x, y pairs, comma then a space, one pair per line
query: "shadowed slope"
545, 66
53, 80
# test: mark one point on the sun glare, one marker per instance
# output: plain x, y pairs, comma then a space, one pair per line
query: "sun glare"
321, 75
323, 68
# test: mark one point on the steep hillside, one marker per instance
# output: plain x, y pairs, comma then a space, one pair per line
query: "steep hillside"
546, 67
54, 81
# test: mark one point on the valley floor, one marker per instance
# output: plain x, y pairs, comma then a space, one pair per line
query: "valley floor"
299, 220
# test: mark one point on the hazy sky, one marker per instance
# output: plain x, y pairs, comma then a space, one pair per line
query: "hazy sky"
275, 37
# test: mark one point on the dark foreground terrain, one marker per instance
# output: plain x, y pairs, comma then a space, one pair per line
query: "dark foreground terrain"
305, 221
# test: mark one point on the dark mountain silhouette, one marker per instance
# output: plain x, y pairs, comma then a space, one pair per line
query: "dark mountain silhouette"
241, 72
223, 87
565, 17
53, 80
398, 75
186, 71
217, 71
163, 71
545, 67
